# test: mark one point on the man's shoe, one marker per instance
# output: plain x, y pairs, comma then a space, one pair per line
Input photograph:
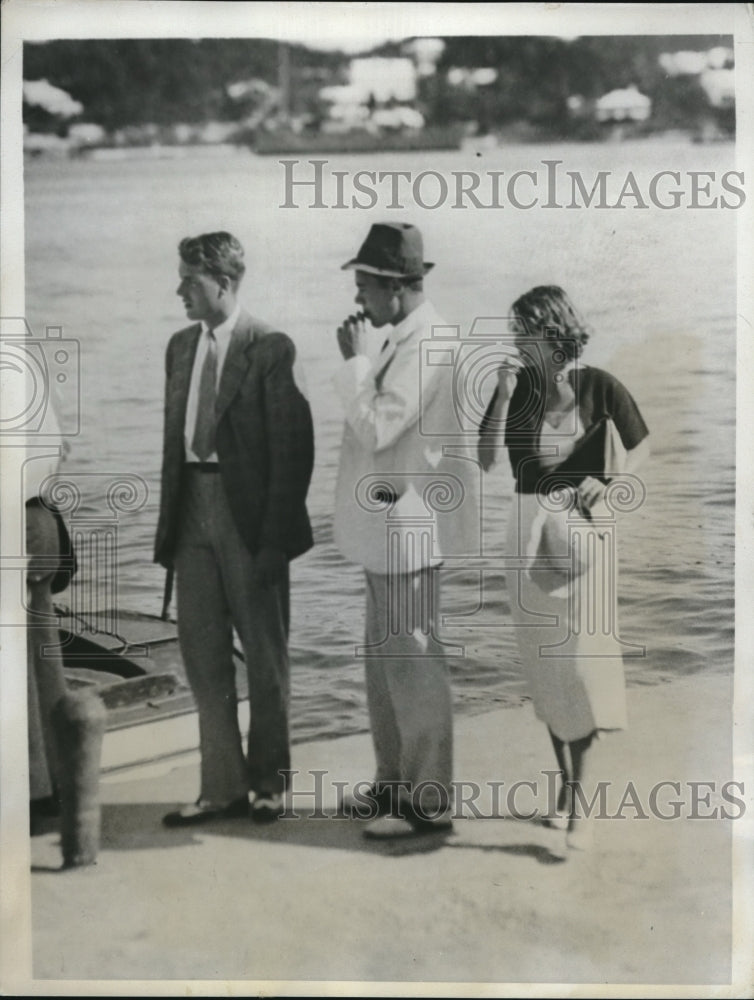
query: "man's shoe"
443, 824
394, 827
376, 801
423, 822
203, 812
267, 808
389, 828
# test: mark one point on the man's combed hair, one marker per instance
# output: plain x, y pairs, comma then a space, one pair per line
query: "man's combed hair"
547, 311
218, 254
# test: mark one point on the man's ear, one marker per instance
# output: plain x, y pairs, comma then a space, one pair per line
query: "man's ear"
224, 282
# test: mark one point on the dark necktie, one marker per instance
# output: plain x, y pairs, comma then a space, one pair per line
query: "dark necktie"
386, 364
203, 443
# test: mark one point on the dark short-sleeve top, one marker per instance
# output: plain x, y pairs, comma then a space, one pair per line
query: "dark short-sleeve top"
599, 397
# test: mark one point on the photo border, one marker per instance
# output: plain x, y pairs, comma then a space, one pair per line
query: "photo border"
34, 20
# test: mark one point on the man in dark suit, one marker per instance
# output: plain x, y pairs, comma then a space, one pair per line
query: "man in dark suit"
237, 461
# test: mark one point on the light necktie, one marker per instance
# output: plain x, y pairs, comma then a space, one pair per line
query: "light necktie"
203, 443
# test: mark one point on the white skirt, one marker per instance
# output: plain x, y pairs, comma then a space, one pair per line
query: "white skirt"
567, 623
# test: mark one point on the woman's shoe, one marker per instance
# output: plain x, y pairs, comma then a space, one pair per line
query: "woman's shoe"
580, 836
558, 821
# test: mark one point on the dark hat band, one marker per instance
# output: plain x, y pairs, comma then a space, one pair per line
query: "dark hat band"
371, 264
393, 250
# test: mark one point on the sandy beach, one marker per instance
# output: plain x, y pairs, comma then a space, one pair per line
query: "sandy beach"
500, 901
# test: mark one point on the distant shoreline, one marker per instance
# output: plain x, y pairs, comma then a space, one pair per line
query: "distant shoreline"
435, 139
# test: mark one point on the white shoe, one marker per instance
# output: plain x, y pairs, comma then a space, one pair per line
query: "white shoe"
392, 827
389, 827
267, 808
558, 821
580, 836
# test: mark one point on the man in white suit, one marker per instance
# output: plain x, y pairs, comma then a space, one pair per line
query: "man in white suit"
387, 519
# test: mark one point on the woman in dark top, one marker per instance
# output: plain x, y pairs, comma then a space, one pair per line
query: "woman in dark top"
569, 430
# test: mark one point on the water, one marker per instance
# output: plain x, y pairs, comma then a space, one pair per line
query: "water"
658, 287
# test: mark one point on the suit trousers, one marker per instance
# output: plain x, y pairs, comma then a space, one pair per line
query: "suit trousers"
217, 593
408, 687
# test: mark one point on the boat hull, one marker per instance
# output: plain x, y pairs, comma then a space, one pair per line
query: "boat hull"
277, 143
137, 670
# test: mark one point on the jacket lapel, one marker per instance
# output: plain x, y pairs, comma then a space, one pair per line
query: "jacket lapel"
181, 378
237, 362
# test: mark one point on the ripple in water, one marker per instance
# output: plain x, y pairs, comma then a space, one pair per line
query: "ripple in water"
674, 348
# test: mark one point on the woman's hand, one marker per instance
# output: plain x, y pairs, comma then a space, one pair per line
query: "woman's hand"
507, 374
589, 492
487, 445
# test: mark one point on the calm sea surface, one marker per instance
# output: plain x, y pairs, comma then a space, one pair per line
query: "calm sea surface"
657, 286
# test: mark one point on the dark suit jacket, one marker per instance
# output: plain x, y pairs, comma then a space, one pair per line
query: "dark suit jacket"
265, 439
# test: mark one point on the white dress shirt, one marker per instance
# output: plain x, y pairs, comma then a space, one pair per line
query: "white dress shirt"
396, 409
222, 337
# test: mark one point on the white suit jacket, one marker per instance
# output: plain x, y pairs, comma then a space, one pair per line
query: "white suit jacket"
405, 500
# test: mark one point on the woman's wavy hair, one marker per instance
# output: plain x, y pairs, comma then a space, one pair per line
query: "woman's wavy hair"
547, 311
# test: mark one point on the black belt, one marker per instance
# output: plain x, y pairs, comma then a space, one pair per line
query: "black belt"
203, 466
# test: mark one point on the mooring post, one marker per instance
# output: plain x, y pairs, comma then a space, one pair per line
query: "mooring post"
79, 724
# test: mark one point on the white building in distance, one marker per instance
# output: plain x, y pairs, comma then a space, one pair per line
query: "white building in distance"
624, 105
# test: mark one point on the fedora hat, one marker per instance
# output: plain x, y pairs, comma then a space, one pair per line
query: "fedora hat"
393, 250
